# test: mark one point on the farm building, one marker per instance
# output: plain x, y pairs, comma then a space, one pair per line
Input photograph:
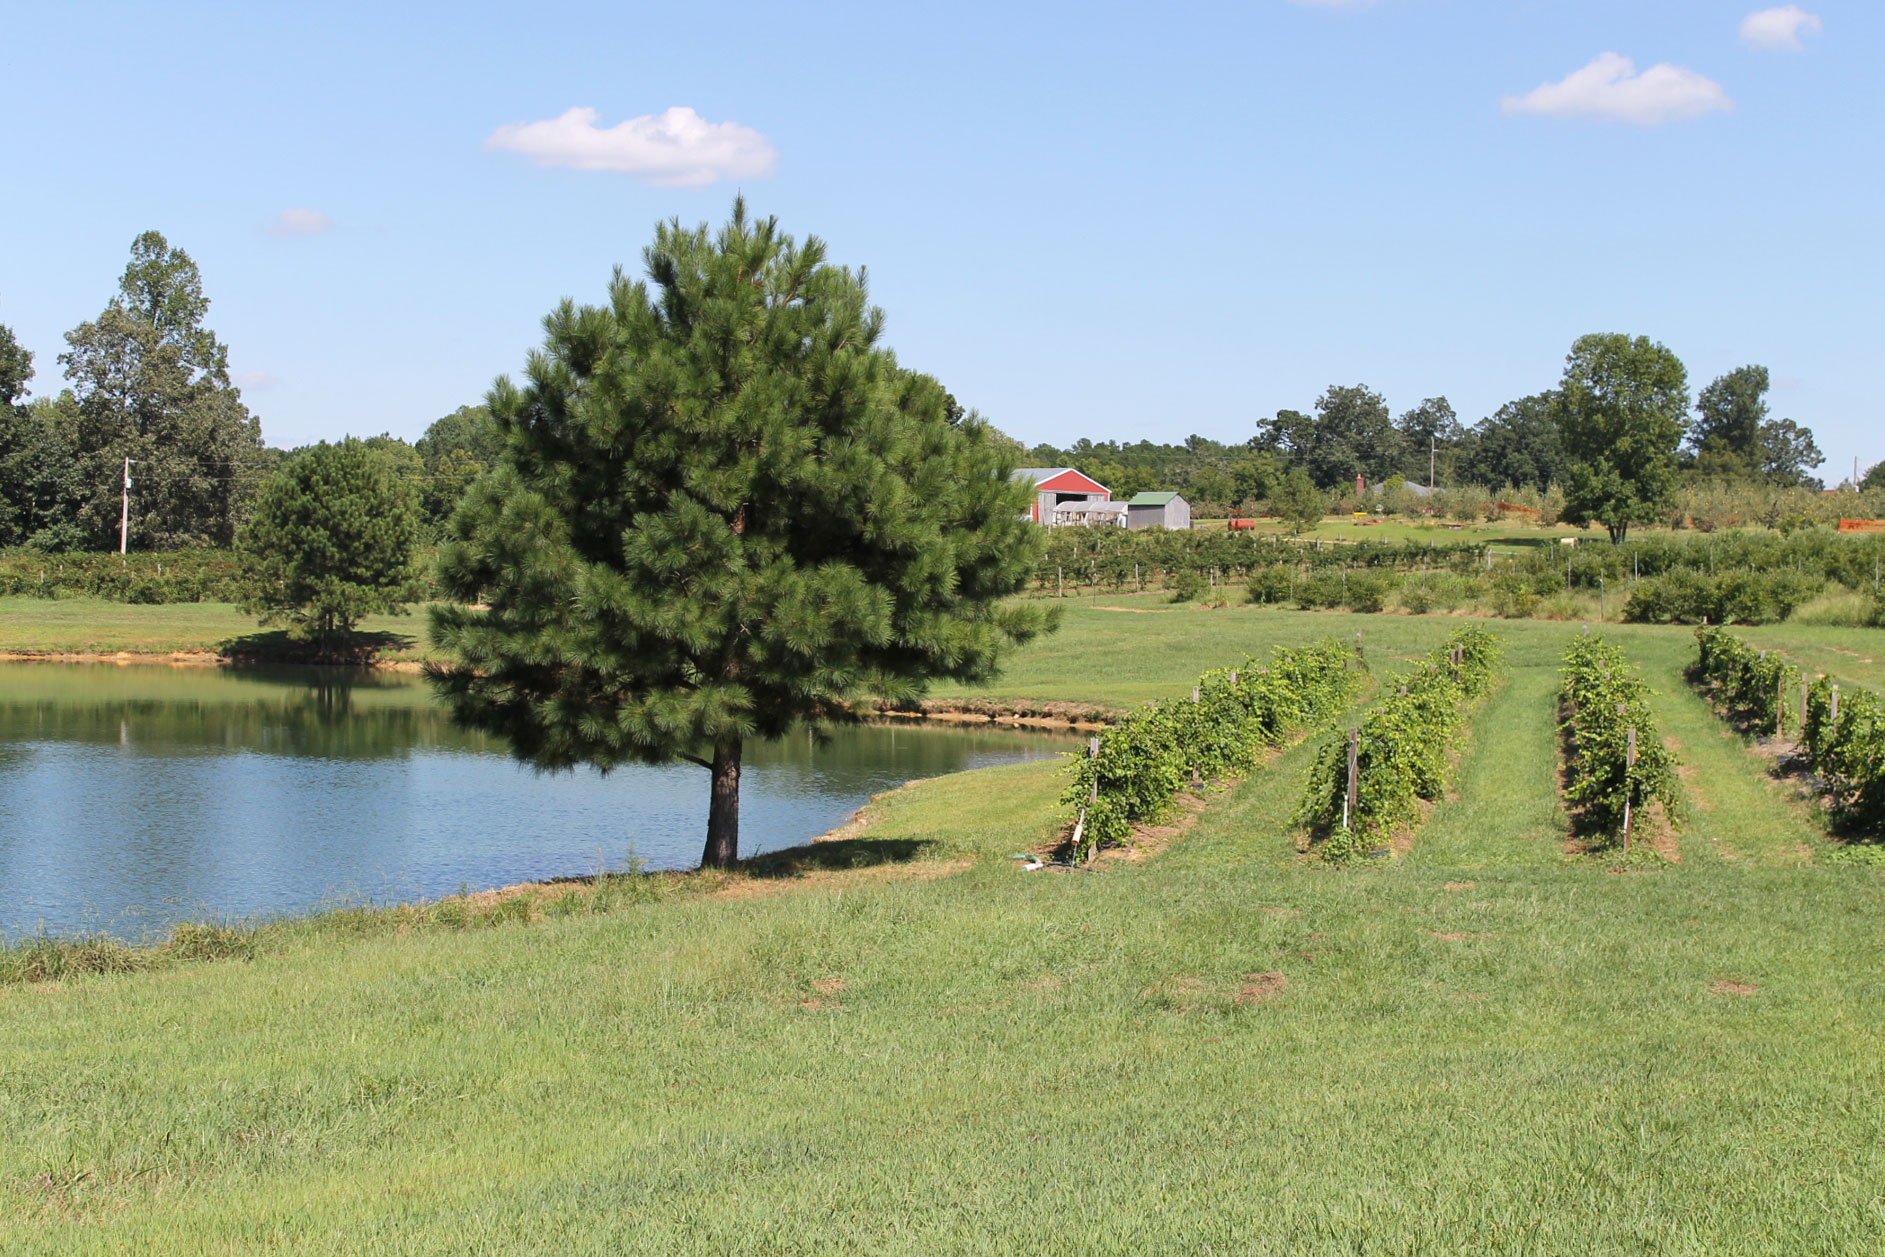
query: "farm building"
1158, 510
1064, 497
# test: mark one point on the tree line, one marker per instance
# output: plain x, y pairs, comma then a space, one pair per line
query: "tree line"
147, 393
1616, 389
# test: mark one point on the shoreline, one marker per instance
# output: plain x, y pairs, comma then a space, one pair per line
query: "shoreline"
1017, 714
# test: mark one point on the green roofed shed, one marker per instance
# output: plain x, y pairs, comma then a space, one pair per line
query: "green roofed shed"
1158, 510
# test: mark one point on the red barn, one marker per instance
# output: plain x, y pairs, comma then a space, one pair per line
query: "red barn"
1063, 496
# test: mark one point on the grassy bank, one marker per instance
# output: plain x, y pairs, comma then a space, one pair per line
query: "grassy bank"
908, 1046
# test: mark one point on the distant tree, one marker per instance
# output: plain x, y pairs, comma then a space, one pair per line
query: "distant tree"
724, 511
456, 449
1351, 434
332, 541
1874, 478
16, 368
1787, 453
1430, 437
152, 384
1288, 437
1734, 439
1622, 410
1212, 485
1255, 475
1726, 437
41, 484
1519, 444
1299, 503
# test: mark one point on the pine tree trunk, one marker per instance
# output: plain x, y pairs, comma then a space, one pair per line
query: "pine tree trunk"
723, 812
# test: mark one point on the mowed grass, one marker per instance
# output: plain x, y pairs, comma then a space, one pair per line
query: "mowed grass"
98, 626
1487, 1046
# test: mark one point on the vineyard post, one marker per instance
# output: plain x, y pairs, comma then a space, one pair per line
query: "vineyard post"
1629, 785
1139, 584
1780, 704
1833, 716
1358, 652
1352, 796
1600, 599
1803, 692
1092, 797
1060, 583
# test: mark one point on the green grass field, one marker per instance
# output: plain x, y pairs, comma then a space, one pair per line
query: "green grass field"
1486, 1046
98, 626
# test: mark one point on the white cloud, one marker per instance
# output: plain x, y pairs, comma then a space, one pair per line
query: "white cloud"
255, 381
1610, 88
300, 222
1779, 30
676, 148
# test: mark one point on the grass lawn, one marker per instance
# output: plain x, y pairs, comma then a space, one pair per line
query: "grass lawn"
1487, 1046
97, 626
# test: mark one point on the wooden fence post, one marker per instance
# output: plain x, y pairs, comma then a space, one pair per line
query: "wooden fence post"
1352, 798
1780, 704
1093, 796
1629, 785
1803, 693
1060, 583
1834, 721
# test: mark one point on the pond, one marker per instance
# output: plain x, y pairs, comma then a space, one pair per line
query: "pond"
134, 797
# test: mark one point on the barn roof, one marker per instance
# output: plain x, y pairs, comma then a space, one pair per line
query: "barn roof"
1152, 499
1064, 479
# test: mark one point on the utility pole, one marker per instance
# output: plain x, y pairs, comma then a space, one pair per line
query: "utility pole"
124, 512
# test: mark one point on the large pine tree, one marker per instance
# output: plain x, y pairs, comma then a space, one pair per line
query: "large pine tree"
724, 510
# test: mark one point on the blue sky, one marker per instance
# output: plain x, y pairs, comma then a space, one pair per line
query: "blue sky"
1105, 220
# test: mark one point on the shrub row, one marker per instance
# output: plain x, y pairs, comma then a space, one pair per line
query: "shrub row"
1402, 749
141, 577
172, 576
1145, 759
1604, 698
1846, 751
1686, 596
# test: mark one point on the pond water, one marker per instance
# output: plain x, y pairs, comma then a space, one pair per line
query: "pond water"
135, 797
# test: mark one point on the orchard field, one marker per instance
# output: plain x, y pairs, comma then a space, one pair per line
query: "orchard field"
904, 1044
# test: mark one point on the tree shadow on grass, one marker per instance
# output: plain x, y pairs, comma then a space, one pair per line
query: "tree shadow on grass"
842, 854
356, 649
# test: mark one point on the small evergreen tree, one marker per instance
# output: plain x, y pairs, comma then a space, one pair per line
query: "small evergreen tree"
722, 511
332, 541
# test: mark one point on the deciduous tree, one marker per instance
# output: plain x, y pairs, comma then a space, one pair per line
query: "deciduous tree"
1519, 444
1299, 502
724, 511
152, 385
1622, 410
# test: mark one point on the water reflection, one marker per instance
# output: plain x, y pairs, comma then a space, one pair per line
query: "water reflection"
131, 797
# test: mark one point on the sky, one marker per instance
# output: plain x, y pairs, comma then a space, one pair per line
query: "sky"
1114, 221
